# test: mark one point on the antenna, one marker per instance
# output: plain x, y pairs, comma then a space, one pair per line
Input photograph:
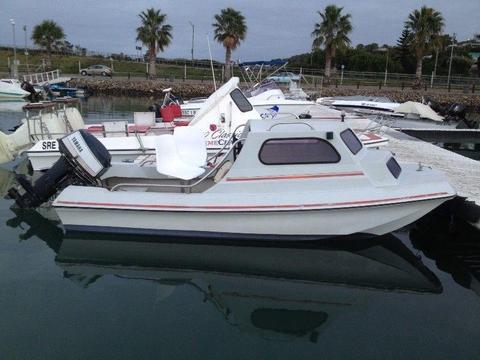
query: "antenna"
211, 63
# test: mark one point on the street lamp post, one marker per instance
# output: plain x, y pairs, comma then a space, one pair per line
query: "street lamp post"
386, 70
451, 58
434, 72
385, 50
193, 36
341, 75
26, 51
15, 72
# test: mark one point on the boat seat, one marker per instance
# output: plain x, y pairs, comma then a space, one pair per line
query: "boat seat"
115, 128
191, 145
169, 161
144, 118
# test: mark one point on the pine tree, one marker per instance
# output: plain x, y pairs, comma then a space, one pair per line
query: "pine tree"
403, 51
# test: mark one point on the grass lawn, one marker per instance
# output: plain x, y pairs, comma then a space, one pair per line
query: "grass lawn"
69, 64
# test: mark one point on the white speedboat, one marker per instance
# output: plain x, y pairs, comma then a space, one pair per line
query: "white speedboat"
301, 179
365, 104
223, 111
267, 98
408, 115
12, 89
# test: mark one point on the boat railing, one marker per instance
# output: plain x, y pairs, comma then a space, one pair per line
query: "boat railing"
291, 123
227, 143
42, 77
181, 186
59, 110
289, 114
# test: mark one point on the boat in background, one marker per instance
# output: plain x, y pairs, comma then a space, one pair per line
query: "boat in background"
62, 89
224, 111
408, 115
360, 104
266, 97
12, 89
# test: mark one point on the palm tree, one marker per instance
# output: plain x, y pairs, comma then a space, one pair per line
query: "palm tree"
45, 35
155, 34
425, 26
332, 32
230, 29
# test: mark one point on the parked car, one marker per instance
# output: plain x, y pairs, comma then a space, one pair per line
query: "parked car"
96, 70
284, 77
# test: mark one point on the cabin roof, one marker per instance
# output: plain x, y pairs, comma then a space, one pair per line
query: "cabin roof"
295, 125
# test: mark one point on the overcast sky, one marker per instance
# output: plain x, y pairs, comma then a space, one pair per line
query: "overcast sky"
275, 28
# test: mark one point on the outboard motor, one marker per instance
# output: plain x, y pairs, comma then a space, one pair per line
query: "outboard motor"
434, 105
29, 87
457, 110
84, 160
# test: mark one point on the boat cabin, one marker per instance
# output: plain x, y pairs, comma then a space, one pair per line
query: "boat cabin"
262, 154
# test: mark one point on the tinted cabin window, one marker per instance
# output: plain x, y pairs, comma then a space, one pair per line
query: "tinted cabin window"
241, 101
351, 141
298, 151
394, 167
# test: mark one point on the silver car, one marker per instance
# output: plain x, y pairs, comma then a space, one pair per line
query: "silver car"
96, 70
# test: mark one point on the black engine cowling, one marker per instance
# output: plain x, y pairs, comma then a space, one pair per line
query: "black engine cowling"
84, 160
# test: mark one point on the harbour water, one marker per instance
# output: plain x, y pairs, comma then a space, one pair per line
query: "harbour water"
412, 294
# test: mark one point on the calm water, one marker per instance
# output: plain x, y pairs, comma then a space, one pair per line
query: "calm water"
413, 294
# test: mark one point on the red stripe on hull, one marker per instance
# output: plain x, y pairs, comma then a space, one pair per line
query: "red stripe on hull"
256, 207
294, 177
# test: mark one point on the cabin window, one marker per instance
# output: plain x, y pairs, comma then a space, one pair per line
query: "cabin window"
394, 167
241, 101
351, 140
298, 151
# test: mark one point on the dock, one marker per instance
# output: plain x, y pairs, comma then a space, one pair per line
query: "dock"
446, 135
462, 172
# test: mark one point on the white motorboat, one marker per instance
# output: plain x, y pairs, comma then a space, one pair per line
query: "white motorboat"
12, 89
267, 98
301, 179
34, 129
223, 111
365, 104
408, 115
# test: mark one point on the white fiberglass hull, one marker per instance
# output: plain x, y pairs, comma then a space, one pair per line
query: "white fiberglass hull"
296, 107
4, 95
359, 104
274, 224
10, 91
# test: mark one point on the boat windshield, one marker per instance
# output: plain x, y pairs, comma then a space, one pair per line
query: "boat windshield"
260, 88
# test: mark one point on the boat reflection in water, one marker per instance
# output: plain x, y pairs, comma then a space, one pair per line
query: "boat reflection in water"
281, 293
